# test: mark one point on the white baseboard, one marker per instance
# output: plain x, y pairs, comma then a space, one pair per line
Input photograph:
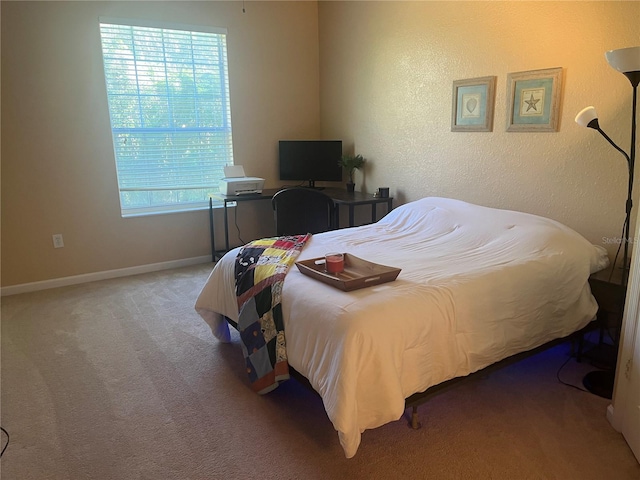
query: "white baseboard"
92, 277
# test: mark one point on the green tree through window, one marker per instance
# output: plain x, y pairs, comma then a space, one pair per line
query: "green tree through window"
168, 94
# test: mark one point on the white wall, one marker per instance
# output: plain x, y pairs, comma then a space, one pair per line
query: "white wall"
377, 74
387, 70
58, 170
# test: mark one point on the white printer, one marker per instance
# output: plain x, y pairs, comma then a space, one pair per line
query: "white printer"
235, 182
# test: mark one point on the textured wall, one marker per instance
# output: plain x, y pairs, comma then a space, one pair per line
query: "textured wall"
386, 72
58, 171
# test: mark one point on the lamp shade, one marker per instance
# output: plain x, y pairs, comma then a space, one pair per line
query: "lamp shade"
624, 60
586, 116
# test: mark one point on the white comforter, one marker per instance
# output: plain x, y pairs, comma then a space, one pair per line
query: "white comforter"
477, 285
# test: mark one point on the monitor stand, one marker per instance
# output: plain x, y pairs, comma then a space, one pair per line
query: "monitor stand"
312, 184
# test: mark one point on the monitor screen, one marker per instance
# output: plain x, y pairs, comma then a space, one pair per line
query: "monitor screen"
310, 160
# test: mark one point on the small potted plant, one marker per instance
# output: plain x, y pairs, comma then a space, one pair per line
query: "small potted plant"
351, 163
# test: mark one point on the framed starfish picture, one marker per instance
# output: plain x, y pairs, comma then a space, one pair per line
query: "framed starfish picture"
534, 100
473, 101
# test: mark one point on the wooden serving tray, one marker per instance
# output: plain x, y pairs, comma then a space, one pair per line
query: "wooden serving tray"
358, 273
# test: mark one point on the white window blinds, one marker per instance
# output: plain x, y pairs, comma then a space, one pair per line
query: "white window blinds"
168, 94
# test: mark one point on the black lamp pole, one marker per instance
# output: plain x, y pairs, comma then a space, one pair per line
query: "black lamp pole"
627, 61
630, 68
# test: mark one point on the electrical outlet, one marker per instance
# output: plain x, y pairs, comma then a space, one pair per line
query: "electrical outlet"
57, 241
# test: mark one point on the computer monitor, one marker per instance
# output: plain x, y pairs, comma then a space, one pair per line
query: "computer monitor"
310, 161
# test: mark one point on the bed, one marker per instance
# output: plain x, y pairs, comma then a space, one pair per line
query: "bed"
477, 285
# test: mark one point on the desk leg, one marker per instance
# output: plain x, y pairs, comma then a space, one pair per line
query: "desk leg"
374, 217
226, 226
211, 231
351, 216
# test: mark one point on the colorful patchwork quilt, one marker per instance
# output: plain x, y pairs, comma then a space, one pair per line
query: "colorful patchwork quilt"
260, 269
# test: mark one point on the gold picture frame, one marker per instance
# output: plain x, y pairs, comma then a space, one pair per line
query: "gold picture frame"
534, 100
473, 104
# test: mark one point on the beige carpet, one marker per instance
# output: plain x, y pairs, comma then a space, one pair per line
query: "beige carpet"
121, 379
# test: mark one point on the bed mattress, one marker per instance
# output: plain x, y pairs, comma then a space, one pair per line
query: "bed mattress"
477, 285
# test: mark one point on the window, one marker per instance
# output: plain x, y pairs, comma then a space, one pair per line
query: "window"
168, 94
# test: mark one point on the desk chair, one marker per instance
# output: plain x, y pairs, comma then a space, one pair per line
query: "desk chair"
302, 210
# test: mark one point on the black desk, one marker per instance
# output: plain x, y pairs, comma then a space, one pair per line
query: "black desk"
352, 200
338, 195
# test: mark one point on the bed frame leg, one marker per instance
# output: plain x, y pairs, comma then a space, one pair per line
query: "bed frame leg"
415, 424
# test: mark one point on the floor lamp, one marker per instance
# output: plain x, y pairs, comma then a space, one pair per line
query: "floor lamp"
627, 61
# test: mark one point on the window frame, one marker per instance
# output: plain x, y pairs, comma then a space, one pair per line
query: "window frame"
142, 132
